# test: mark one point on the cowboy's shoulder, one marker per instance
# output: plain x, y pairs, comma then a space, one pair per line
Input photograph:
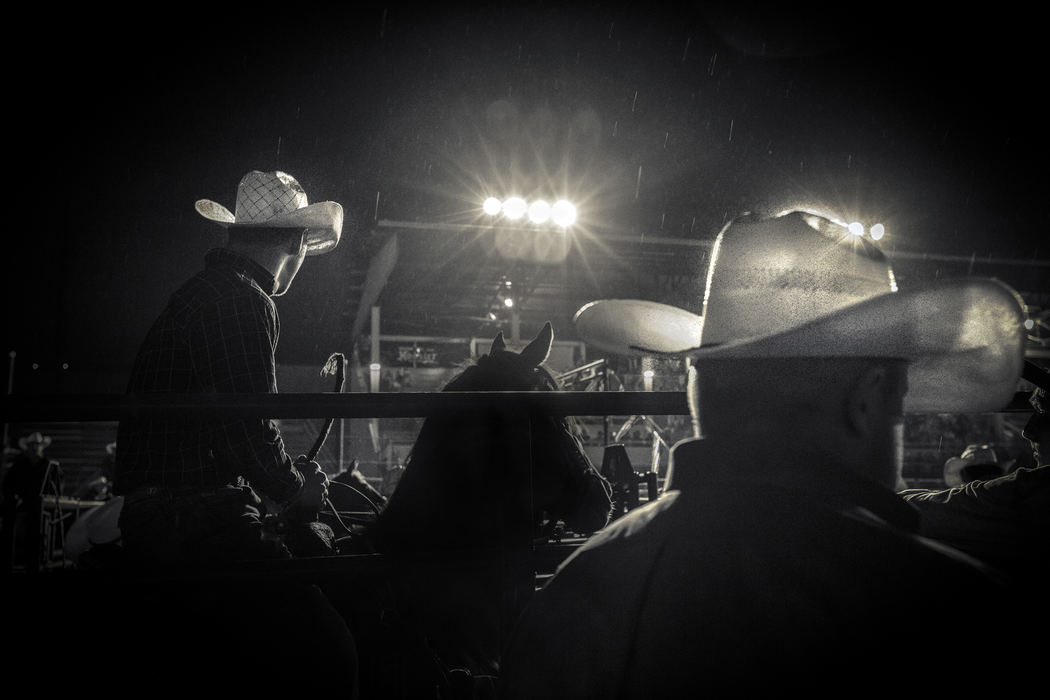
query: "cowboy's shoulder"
218, 291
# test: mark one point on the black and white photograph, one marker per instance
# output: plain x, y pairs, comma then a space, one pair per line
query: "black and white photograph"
499, 351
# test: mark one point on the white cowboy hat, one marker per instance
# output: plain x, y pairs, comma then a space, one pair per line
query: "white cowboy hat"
801, 285
975, 462
276, 200
98, 526
34, 439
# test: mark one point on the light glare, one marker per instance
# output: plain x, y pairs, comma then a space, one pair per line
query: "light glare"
514, 208
563, 213
877, 231
539, 211
856, 228
492, 206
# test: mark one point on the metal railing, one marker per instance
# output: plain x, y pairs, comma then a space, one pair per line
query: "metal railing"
73, 407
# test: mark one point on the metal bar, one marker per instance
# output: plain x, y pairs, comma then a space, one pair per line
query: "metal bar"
107, 407
78, 407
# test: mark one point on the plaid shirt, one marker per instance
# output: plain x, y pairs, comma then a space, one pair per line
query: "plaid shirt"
217, 334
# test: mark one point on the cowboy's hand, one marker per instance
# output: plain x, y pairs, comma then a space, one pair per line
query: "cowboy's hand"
305, 506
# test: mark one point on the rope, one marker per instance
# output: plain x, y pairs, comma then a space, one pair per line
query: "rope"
335, 365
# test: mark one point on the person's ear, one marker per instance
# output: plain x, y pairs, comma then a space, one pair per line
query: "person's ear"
866, 401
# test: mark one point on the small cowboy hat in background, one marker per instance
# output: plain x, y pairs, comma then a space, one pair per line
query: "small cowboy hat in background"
801, 285
34, 439
976, 463
277, 200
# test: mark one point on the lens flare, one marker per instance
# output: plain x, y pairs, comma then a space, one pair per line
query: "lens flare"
492, 206
514, 208
563, 213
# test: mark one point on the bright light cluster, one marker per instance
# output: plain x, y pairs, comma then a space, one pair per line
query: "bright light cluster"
562, 213
823, 220
876, 232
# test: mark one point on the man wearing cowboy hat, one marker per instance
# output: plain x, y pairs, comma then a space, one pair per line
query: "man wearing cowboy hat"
191, 485
23, 486
1001, 519
977, 462
779, 556
218, 334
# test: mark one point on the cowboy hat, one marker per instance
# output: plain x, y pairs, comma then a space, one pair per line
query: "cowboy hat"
801, 285
977, 462
276, 200
34, 439
98, 526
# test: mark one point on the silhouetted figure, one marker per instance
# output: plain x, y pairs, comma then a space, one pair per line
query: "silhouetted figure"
191, 485
782, 560
1005, 520
24, 484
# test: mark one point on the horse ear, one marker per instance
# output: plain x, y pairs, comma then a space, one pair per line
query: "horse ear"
498, 343
536, 352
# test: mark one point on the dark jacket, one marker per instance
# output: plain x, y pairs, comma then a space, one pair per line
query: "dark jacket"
747, 581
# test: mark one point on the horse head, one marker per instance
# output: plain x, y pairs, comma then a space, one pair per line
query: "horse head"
565, 484
459, 477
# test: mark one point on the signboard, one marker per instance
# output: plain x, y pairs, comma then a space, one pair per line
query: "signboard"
423, 353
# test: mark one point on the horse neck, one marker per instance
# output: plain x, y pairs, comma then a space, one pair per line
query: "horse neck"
456, 489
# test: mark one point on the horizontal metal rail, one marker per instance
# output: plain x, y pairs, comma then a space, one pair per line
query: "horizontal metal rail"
107, 407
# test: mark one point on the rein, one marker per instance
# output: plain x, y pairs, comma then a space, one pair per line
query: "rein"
335, 365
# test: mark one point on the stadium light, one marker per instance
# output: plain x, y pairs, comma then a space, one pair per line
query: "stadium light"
492, 206
563, 213
538, 231
514, 208
539, 211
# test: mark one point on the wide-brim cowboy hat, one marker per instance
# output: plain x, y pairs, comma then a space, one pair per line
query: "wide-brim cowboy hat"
801, 285
277, 200
98, 526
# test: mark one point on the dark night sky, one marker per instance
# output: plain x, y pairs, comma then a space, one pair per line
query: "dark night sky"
931, 123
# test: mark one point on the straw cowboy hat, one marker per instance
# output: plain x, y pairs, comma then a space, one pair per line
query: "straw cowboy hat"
276, 200
801, 285
34, 439
977, 462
